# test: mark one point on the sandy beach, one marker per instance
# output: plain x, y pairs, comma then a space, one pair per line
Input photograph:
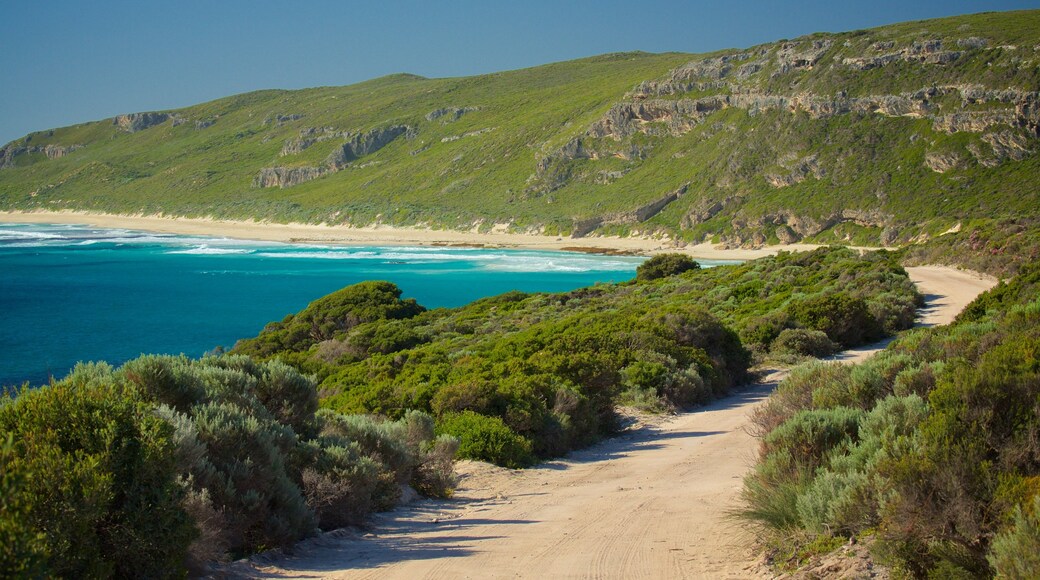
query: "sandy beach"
388, 235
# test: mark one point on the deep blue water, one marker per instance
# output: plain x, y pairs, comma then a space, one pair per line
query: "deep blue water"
72, 293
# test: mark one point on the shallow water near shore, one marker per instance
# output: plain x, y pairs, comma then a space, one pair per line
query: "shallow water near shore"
71, 293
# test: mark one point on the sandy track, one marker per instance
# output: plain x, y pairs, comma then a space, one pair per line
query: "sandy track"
652, 503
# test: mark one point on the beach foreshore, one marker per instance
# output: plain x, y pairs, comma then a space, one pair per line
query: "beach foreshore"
388, 235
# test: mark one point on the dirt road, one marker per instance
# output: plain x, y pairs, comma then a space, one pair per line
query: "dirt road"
653, 503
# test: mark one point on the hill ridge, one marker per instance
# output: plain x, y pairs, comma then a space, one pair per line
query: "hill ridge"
880, 136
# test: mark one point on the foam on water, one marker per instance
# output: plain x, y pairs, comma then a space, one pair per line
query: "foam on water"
203, 250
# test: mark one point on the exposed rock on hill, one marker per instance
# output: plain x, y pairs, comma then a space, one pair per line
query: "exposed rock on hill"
449, 114
287, 176
368, 143
11, 151
942, 162
638, 215
135, 122
358, 145
927, 52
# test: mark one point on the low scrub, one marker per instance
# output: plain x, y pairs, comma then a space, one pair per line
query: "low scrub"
930, 446
553, 367
167, 463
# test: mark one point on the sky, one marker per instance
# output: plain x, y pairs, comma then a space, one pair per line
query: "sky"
66, 62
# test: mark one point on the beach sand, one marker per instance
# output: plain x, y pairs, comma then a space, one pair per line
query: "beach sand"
388, 235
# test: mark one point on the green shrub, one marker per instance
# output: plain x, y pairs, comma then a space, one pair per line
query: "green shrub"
800, 341
23, 547
290, 397
166, 380
844, 318
1015, 553
763, 330
435, 475
892, 312
664, 265
97, 479
771, 491
810, 435
246, 470
797, 393
339, 483
331, 317
487, 439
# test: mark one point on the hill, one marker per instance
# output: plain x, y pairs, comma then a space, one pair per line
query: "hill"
877, 136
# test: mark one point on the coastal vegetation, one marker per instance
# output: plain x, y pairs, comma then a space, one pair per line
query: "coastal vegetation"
929, 448
921, 133
521, 376
169, 462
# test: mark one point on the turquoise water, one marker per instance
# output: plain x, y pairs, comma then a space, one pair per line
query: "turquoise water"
71, 293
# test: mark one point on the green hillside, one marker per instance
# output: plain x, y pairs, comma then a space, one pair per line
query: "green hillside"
873, 136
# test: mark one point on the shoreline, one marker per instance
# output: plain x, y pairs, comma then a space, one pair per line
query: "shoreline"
297, 233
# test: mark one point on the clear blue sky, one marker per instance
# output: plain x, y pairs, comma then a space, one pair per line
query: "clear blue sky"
66, 62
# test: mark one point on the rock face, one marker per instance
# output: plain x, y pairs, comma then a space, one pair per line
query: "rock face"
11, 151
280, 119
942, 162
927, 52
287, 176
135, 122
309, 136
8, 154
791, 227
449, 114
367, 143
800, 169
675, 117
357, 146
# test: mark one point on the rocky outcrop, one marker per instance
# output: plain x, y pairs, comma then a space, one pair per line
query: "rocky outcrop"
972, 42
449, 114
367, 143
356, 147
799, 170
309, 136
801, 55
287, 176
135, 122
8, 154
659, 117
941, 162
655, 117
640, 214
1003, 146
11, 151
927, 52
974, 121
59, 151
791, 227
708, 209
1008, 145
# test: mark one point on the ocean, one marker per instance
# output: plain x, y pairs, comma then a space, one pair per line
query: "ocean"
73, 293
